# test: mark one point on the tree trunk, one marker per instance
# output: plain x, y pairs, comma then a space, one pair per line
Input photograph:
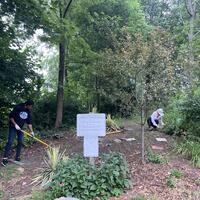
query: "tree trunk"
61, 74
60, 89
191, 9
190, 40
142, 134
97, 103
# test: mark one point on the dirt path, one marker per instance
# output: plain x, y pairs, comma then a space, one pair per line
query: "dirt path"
149, 179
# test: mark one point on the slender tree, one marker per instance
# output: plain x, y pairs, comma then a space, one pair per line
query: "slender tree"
191, 9
62, 71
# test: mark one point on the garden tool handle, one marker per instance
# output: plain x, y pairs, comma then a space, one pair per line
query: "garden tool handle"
35, 138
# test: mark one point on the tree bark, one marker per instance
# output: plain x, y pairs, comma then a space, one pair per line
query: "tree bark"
142, 135
61, 83
191, 9
61, 74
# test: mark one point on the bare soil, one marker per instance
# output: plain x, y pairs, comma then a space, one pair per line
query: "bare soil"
149, 179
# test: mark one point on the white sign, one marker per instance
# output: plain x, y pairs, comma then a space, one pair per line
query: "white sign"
91, 124
91, 147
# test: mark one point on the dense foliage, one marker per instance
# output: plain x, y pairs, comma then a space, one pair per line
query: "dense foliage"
19, 79
78, 178
190, 149
115, 55
118, 56
184, 113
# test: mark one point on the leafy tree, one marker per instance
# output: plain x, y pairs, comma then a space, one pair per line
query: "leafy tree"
101, 24
18, 77
181, 19
156, 12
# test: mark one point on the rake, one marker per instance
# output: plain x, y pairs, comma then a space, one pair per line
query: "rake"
40, 141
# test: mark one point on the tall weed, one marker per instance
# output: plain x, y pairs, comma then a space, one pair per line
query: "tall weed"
189, 149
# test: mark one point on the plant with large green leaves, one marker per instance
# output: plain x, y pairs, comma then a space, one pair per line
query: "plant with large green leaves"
78, 178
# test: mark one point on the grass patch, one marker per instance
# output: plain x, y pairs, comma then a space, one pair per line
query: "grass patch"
190, 149
173, 176
154, 157
139, 197
176, 173
171, 182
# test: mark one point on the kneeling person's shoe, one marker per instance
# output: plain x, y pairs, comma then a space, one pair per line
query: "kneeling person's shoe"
4, 162
151, 128
18, 159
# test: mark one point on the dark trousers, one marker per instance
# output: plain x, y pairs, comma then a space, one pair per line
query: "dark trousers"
150, 124
11, 137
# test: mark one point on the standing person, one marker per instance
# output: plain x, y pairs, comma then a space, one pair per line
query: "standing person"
17, 118
155, 118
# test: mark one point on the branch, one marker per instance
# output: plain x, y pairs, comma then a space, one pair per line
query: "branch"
187, 8
180, 14
67, 8
196, 33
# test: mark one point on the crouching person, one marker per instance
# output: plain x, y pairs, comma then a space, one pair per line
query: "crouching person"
17, 118
155, 119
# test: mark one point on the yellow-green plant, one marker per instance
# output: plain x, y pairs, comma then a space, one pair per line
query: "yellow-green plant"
52, 159
110, 123
94, 110
190, 149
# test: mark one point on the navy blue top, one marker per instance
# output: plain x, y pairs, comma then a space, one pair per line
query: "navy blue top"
21, 115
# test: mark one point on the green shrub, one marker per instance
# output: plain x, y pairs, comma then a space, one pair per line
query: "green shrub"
183, 114
138, 197
173, 117
171, 182
191, 111
154, 157
172, 178
176, 173
189, 149
78, 178
45, 108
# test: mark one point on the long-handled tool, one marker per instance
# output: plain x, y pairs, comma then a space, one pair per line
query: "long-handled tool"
36, 138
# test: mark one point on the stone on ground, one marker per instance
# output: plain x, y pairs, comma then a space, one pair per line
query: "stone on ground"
129, 139
155, 147
161, 139
117, 140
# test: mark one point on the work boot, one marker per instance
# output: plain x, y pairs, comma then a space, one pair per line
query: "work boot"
18, 159
151, 128
4, 162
